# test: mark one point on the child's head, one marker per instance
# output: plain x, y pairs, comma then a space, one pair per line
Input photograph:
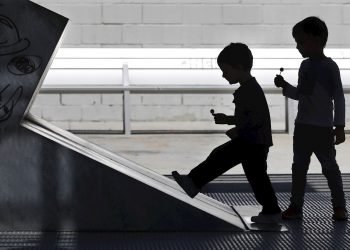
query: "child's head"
311, 36
235, 60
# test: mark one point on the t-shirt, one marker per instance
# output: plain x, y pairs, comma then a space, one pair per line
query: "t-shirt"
252, 116
320, 93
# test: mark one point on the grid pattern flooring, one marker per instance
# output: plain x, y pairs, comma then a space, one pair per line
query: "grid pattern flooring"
315, 231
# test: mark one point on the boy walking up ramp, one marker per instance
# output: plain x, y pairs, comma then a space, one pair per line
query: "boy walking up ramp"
51, 180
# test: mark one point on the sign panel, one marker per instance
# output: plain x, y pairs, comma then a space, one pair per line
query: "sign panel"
29, 35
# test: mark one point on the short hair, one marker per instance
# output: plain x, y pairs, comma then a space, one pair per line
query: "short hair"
312, 25
236, 54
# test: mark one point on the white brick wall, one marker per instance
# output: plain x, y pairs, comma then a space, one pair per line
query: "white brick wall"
62, 113
48, 100
80, 100
195, 23
178, 34
112, 99
166, 99
122, 13
81, 111
102, 34
101, 113
346, 14
162, 14
202, 14
143, 34
242, 14
81, 13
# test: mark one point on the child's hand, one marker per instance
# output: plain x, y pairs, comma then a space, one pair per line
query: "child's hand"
339, 135
220, 118
279, 81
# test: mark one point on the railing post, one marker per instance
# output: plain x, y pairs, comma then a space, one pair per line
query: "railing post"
287, 109
126, 101
290, 115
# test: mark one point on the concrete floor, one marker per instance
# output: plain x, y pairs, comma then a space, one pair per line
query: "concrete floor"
165, 153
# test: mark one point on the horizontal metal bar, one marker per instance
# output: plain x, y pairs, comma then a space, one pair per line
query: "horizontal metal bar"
146, 89
158, 131
270, 52
151, 132
173, 68
152, 89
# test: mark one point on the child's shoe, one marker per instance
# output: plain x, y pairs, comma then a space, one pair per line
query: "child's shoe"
292, 214
186, 184
267, 218
340, 214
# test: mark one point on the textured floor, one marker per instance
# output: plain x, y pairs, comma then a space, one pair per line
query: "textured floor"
316, 231
164, 153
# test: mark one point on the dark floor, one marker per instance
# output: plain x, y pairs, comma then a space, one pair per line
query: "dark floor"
315, 231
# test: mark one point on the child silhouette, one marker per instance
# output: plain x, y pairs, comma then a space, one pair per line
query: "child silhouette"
250, 138
319, 85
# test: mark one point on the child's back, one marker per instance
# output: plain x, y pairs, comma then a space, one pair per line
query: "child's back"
318, 85
254, 126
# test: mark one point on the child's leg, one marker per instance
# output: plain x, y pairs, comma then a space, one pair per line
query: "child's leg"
302, 149
326, 153
218, 162
255, 168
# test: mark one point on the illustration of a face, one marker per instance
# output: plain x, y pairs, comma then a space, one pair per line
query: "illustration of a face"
11, 43
24, 65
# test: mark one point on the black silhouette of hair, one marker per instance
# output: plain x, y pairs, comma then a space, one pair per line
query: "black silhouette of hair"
236, 54
312, 25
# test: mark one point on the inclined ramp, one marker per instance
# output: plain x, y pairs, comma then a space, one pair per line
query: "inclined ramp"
138, 198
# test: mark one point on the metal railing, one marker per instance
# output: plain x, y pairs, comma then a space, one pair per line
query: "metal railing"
126, 89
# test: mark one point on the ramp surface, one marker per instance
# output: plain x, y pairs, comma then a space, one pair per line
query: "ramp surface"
102, 191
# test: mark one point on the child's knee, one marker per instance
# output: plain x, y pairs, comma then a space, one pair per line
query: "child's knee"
215, 153
300, 168
330, 167
301, 162
221, 151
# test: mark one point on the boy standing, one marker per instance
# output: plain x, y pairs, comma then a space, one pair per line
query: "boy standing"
250, 139
319, 84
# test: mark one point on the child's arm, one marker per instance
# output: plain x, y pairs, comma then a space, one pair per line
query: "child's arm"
221, 118
231, 120
339, 106
246, 116
288, 90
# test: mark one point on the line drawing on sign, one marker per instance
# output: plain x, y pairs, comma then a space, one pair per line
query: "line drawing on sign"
10, 40
6, 107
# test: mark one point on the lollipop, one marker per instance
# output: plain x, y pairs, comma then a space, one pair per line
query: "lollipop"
281, 70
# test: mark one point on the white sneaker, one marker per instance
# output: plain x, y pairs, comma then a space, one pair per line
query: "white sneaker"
267, 218
186, 184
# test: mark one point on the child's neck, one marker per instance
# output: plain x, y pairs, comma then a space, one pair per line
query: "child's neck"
246, 77
318, 55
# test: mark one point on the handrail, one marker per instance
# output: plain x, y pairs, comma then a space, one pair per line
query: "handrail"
126, 53
146, 89
126, 89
